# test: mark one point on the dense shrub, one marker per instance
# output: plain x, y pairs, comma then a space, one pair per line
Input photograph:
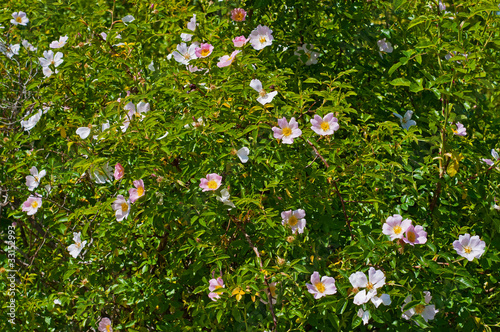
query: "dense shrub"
335, 163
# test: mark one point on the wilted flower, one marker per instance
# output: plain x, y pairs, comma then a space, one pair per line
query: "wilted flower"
495, 156
240, 41
83, 132
243, 154
227, 60
406, 121
359, 280
287, 131
295, 219
320, 288
184, 54
121, 207
32, 204
307, 50
460, 131
101, 174
77, 247
326, 125
238, 14
11, 50
19, 18
415, 235
191, 25
137, 192
32, 121
215, 288
426, 311
395, 226
128, 19
204, 50
151, 66
60, 43
364, 315
119, 171
33, 180
142, 108
264, 97
211, 182
469, 247
224, 198
261, 37
26, 44
105, 325
385, 46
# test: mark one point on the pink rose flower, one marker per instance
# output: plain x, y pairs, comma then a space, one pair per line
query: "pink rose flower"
239, 41
238, 14
211, 182
119, 171
227, 60
287, 131
204, 51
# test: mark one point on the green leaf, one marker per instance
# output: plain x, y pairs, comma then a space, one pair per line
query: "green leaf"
400, 82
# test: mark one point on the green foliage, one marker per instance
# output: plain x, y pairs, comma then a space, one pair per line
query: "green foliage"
151, 271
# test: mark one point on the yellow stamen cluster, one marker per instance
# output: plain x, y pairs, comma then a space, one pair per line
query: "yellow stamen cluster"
369, 286
262, 39
320, 287
140, 191
205, 52
287, 131
419, 309
292, 221
467, 249
397, 229
124, 207
325, 126
34, 204
212, 184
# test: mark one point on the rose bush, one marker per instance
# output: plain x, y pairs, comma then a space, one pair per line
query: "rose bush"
366, 110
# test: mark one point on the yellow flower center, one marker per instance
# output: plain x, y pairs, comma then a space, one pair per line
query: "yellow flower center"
292, 221
187, 56
78, 244
325, 126
34, 204
467, 249
455, 131
262, 93
287, 131
218, 286
419, 309
124, 207
205, 52
137, 114
36, 179
52, 62
19, 19
397, 229
369, 286
320, 287
140, 191
262, 39
108, 328
238, 17
411, 236
212, 184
